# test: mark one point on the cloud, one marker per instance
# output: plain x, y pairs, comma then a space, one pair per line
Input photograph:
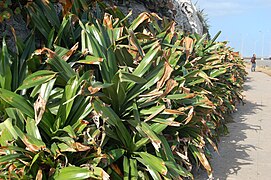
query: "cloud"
230, 7
220, 8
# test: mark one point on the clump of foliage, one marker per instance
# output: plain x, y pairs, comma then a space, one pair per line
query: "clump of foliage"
105, 98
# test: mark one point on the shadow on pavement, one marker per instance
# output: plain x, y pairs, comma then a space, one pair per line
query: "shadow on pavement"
232, 148
245, 86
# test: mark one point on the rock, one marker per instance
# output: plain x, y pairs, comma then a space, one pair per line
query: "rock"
182, 11
20, 28
187, 16
134, 6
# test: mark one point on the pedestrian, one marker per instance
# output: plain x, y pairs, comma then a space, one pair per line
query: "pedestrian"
253, 63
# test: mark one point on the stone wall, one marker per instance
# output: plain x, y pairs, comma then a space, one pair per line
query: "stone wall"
20, 28
187, 16
183, 12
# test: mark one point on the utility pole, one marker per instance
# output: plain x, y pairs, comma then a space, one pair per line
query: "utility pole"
263, 47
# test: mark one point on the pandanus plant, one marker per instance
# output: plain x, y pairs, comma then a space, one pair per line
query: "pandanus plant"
106, 98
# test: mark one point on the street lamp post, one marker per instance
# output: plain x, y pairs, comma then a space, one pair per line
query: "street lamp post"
262, 44
242, 46
243, 40
255, 44
263, 47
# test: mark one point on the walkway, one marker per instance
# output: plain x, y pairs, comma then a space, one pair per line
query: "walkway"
245, 153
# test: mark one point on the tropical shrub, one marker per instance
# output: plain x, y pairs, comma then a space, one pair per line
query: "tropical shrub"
102, 97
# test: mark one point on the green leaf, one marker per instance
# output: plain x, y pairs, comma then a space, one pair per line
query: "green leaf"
38, 18
10, 158
126, 168
152, 78
46, 88
32, 129
200, 41
74, 173
156, 142
60, 33
179, 170
139, 20
127, 77
166, 149
7, 124
136, 43
114, 155
133, 169
37, 78
54, 149
91, 60
154, 173
112, 119
50, 12
145, 64
70, 131
215, 37
5, 72
62, 67
34, 159
217, 72
154, 162
136, 112
17, 101
68, 99
51, 38
17, 115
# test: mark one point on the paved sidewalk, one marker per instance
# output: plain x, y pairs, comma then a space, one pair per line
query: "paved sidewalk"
246, 152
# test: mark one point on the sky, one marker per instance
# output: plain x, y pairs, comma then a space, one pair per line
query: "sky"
246, 24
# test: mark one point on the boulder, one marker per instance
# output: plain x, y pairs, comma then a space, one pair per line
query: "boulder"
183, 12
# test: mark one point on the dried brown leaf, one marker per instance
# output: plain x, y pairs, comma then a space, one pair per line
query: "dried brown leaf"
171, 84
84, 122
46, 1
167, 73
39, 108
66, 56
156, 16
31, 147
93, 90
116, 169
67, 5
11, 168
52, 171
152, 93
204, 161
104, 175
49, 52
155, 113
80, 147
142, 17
173, 111
39, 175
107, 21
185, 90
189, 115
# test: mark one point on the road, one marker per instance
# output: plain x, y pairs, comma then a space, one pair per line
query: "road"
245, 152
266, 63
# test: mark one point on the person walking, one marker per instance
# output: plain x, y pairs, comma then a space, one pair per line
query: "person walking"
253, 63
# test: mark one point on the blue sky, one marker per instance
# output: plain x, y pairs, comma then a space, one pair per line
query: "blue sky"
246, 24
